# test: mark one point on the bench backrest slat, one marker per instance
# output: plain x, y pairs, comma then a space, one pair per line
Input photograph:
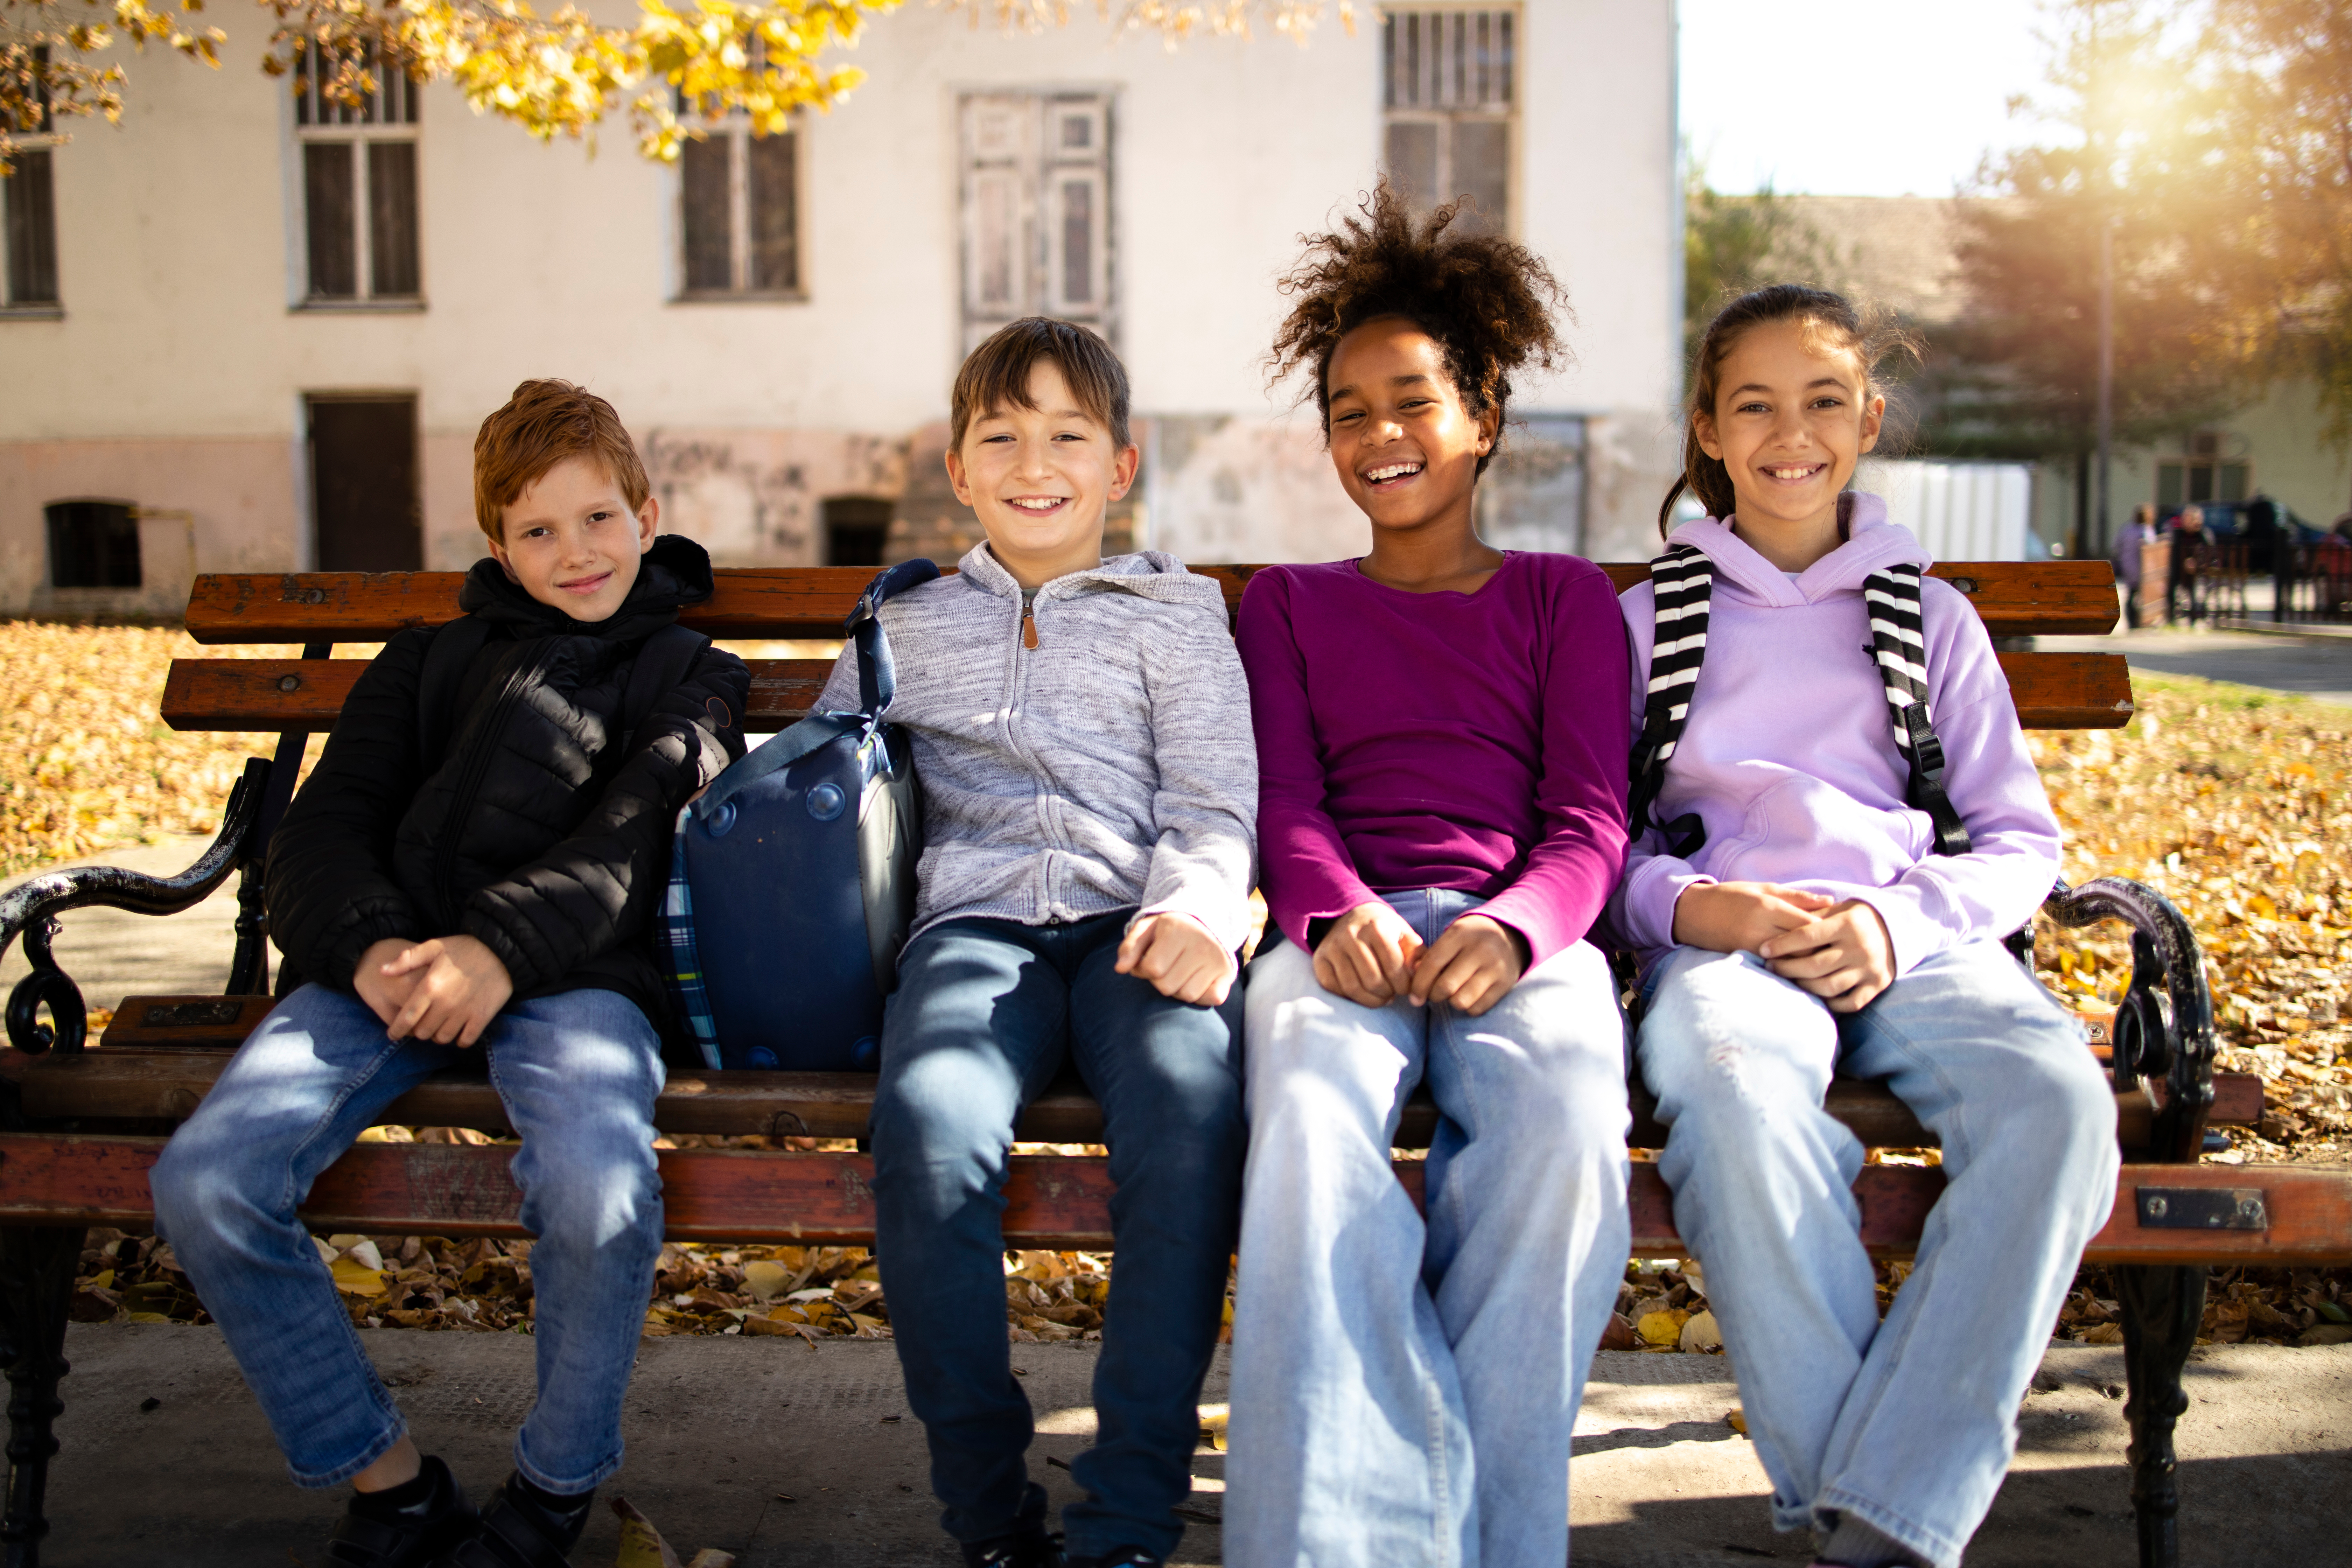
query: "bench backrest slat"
2052, 690
2015, 598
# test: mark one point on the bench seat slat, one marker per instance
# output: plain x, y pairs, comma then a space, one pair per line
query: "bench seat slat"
122, 1084
1053, 1201
2014, 598
2052, 690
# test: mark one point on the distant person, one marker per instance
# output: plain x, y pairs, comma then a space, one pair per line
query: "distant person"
486, 892
2183, 589
1813, 905
2260, 530
2135, 536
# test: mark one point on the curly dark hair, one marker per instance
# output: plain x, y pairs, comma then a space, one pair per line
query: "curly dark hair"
1489, 303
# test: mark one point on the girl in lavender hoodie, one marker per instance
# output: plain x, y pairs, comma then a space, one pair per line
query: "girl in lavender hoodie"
1816, 928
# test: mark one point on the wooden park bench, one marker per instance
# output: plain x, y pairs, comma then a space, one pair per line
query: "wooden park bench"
80, 1124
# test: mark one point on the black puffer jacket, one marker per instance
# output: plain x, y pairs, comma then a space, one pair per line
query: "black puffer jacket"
537, 833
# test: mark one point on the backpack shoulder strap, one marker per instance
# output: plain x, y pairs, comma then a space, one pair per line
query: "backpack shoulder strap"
452, 649
661, 665
876, 680
1681, 584
1898, 642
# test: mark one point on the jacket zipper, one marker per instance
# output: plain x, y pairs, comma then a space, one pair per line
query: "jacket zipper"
1021, 747
469, 783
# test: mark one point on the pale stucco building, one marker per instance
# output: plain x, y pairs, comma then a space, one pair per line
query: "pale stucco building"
263, 331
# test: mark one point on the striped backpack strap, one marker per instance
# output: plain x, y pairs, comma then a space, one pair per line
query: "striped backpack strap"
1899, 644
1682, 582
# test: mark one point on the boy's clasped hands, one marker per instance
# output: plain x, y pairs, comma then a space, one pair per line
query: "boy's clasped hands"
1839, 951
446, 991
1372, 956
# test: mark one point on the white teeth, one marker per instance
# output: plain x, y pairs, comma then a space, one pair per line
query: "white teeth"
1377, 475
1039, 503
1789, 473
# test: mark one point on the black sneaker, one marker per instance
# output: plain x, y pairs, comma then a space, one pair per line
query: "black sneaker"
376, 1533
1033, 1547
1028, 1544
520, 1529
1122, 1557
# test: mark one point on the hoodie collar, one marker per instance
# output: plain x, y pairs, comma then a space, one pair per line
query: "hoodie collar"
674, 573
1153, 573
1871, 544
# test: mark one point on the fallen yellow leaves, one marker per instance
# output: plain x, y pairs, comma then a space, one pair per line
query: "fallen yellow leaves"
642, 1545
85, 763
2236, 804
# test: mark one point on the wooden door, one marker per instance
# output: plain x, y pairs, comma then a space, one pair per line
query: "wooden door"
366, 513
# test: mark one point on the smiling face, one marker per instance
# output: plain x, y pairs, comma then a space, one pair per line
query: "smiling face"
572, 540
1405, 444
1792, 415
1040, 478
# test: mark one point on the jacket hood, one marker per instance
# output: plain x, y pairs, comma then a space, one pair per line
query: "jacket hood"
1872, 543
674, 573
1153, 573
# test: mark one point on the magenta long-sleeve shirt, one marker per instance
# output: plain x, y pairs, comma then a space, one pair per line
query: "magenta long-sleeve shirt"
1475, 741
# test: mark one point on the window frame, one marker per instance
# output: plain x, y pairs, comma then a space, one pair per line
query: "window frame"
1035, 177
358, 129
1449, 112
735, 133
2207, 452
47, 139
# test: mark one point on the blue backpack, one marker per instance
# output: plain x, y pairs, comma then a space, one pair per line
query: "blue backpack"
791, 884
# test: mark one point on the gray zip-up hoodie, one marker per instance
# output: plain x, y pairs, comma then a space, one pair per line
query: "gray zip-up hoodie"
1111, 765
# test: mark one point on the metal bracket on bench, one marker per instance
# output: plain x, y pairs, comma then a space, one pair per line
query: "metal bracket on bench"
2203, 1208
2164, 1026
33, 908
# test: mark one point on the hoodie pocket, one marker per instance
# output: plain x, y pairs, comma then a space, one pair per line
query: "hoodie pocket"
1804, 830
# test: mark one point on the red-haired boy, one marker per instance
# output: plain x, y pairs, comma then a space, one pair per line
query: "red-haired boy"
476, 862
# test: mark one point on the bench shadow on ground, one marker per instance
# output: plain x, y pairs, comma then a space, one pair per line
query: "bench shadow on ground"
2287, 1509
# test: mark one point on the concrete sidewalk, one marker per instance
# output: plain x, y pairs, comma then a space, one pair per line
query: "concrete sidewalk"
2315, 666
112, 953
800, 1458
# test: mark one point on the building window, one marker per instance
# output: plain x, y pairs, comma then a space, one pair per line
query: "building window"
1036, 210
739, 199
359, 185
1449, 92
857, 528
94, 545
28, 210
738, 211
2205, 475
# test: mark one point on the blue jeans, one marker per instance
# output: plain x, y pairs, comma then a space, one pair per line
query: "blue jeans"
985, 1015
1910, 1424
1403, 1392
578, 1073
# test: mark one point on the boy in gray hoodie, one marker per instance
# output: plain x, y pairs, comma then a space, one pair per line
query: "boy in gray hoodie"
1081, 731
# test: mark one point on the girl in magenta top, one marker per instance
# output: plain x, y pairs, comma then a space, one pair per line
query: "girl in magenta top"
1442, 736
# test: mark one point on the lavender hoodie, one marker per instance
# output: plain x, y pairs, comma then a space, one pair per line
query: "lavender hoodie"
1790, 758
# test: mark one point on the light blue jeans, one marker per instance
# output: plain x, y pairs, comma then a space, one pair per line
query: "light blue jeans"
1908, 1424
1403, 1392
578, 1073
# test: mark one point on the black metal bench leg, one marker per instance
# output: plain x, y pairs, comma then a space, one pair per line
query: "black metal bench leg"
37, 1275
2162, 1307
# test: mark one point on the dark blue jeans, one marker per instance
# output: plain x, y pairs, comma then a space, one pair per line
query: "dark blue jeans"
986, 1013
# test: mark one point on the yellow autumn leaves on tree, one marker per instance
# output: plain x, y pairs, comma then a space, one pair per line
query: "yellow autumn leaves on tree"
675, 68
